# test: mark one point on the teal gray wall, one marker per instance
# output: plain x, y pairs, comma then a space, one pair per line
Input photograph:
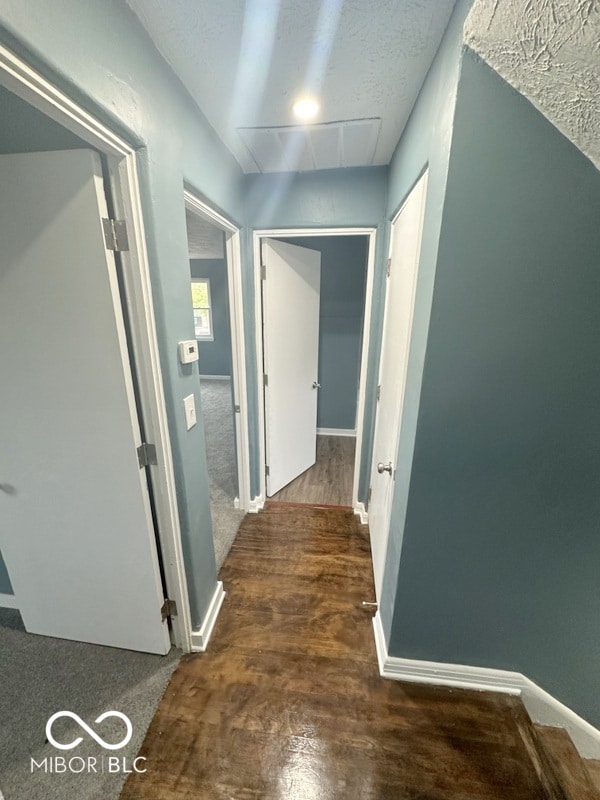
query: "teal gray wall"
24, 129
331, 198
215, 356
321, 199
425, 143
99, 53
501, 549
341, 314
5, 584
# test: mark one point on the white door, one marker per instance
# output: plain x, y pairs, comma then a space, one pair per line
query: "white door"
291, 299
76, 529
399, 304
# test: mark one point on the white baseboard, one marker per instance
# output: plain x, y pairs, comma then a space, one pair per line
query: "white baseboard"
201, 638
8, 601
336, 431
361, 511
256, 504
215, 377
545, 709
541, 706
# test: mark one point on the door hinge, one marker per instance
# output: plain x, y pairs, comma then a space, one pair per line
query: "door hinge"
237, 410
146, 454
379, 393
369, 493
267, 471
115, 235
265, 380
263, 272
389, 267
168, 609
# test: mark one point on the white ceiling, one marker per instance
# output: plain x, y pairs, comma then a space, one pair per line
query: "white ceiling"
549, 50
244, 63
205, 240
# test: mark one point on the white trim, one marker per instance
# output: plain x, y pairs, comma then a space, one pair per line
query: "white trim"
258, 321
215, 377
201, 638
545, 709
202, 209
238, 341
130, 351
294, 233
8, 601
18, 77
541, 706
409, 269
126, 197
380, 644
361, 511
364, 364
337, 432
256, 504
238, 360
257, 236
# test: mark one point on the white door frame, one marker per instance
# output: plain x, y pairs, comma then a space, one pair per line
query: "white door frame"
238, 343
410, 300
18, 77
289, 233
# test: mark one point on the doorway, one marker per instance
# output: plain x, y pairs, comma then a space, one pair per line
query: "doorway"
215, 273
344, 300
102, 157
404, 254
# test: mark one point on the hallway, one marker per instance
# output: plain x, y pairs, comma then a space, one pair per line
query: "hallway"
329, 481
288, 703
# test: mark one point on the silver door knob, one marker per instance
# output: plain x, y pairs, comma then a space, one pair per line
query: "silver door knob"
381, 468
316, 385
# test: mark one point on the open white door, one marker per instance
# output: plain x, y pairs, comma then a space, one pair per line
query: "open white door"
76, 528
291, 299
405, 248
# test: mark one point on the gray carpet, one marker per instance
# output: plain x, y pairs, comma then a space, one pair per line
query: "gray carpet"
217, 413
40, 676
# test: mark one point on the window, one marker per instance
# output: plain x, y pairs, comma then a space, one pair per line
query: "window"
202, 311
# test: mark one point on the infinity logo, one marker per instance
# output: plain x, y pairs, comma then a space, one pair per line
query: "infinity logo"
88, 730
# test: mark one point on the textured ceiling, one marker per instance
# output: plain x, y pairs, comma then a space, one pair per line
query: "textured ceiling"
205, 240
549, 50
244, 63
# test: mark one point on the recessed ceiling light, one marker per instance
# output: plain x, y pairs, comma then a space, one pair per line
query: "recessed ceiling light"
305, 108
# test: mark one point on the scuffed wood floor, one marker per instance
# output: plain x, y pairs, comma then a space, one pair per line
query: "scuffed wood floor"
329, 480
288, 704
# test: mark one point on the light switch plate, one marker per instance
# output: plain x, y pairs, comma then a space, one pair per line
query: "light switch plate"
189, 404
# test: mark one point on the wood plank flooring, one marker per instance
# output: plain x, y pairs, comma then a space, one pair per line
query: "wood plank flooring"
287, 704
329, 480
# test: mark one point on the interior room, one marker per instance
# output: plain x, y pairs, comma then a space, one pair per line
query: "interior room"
341, 316
212, 328
436, 635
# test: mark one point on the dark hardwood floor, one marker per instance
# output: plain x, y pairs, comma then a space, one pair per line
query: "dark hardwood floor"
329, 480
287, 703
